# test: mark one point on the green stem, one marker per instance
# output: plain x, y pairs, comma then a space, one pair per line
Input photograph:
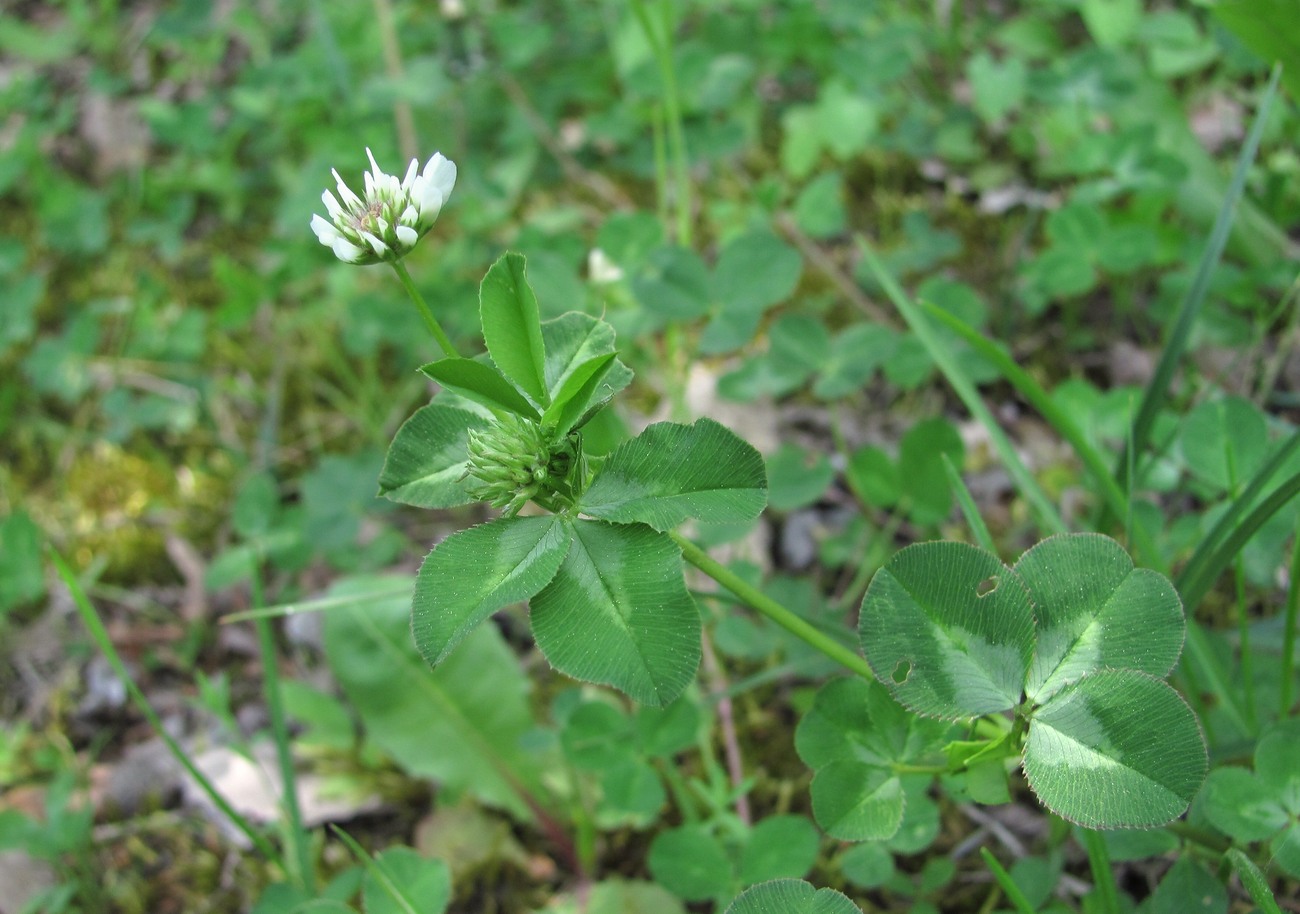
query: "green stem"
660, 44
99, 634
1008, 885
1289, 628
756, 599
1253, 880
297, 835
1103, 878
430, 321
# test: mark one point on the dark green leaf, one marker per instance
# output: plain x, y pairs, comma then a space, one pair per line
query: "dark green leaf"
791, 896
473, 573
949, 630
480, 383
690, 863
671, 472
857, 802
427, 458
618, 613
462, 724
1117, 749
1096, 611
512, 326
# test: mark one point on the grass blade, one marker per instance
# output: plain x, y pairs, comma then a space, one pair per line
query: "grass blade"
1253, 880
1039, 399
1106, 892
99, 634
1007, 884
1180, 330
969, 510
1196, 576
1048, 517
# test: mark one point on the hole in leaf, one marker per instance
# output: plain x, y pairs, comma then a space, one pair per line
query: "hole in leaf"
901, 672
986, 586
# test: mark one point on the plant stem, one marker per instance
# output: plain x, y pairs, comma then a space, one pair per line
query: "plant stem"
1103, 879
1289, 628
753, 597
99, 634
430, 321
661, 45
296, 834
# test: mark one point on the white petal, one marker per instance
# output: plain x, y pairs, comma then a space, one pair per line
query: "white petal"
325, 230
378, 246
348, 252
407, 235
411, 172
374, 166
410, 216
442, 173
331, 205
345, 193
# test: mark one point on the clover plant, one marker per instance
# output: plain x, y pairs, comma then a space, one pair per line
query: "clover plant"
1057, 662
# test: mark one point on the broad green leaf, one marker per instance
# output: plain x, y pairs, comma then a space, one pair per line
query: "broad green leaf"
512, 326
873, 477
674, 284
690, 862
797, 478
615, 896
1275, 764
921, 472
1238, 805
791, 896
1267, 27
577, 393
1117, 749
597, 735
1096, 611
1111, 22
462, 724
998, 87
618, 613
574, 339
21, 576
754, 271
949, 630
631, 793
869, 865
853, 719
671, 472
427, 458
1188, 888
474, 572
855, 354
421, 884
664, 732
1224, 441
480, 383
857, 802
779, 847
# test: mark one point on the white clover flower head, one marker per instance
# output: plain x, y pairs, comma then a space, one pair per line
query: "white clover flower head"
386, 222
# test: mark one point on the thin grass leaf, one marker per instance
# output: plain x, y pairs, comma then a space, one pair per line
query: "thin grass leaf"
1253, 881
1194, 590
1048, 517
1103, 878
377, 871
969, 510
1006, 883
99, 634
1179, 332
1038, 397
1196, 568
1289, 624
314, 606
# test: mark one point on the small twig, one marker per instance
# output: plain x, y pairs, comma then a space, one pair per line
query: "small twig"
601, 186
726, 717
846, 285
404, 121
